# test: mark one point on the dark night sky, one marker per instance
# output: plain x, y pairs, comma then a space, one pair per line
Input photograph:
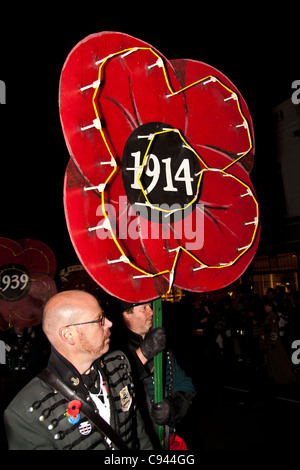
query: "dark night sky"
259, 52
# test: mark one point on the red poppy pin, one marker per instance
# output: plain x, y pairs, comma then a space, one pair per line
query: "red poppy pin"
73, 411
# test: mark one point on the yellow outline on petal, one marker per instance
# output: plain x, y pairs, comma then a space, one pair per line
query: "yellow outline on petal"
29, 249
205, 81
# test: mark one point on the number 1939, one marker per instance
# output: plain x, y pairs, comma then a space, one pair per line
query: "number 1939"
14, 282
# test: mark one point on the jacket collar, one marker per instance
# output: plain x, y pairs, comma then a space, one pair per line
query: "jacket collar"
134, 339
67, 372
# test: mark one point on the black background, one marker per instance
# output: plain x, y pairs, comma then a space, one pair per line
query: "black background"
258, 51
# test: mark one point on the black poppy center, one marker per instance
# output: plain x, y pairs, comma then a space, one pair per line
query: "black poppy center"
160, 171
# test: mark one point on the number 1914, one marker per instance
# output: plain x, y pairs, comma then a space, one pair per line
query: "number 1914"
153, 171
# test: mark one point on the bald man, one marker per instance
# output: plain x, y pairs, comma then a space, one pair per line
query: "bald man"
40, 418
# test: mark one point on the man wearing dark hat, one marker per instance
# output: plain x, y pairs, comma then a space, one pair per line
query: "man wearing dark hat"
142, 342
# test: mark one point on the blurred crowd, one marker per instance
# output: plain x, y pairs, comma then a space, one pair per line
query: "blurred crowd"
242, 328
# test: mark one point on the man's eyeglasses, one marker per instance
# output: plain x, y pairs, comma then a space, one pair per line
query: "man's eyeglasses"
101, 321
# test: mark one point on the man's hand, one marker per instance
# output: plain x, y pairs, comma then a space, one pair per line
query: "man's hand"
171, 409
154, 342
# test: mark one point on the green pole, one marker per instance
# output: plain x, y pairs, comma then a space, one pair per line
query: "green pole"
158, 375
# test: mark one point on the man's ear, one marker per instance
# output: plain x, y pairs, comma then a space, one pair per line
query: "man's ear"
66, 335
126, 317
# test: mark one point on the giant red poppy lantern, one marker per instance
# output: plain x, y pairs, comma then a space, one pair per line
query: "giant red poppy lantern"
157, 191
27, 273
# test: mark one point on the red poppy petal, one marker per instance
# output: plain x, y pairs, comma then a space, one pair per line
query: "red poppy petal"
10, 252
73, 407
27, 311
126, 100
110, 87
39, 258
217, 122
97, 250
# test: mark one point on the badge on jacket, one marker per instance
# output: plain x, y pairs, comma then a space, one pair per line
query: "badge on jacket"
126, 399
72, 412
